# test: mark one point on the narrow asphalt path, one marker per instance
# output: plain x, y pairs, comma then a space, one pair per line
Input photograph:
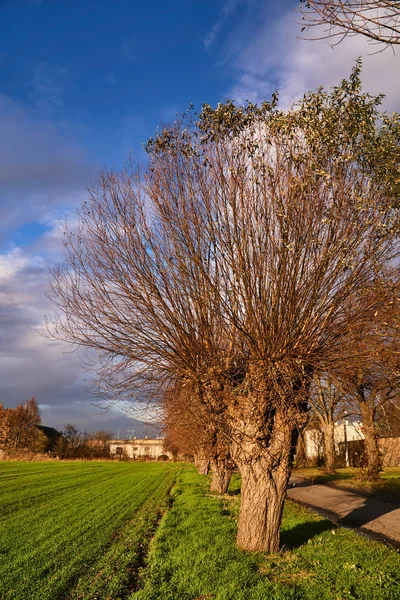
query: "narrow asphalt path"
375, 517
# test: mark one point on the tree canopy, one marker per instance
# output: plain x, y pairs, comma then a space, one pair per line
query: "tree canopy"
235, 265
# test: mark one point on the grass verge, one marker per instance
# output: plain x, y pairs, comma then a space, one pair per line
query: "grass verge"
193, 555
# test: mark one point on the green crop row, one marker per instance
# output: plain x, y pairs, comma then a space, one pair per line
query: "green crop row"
76, 530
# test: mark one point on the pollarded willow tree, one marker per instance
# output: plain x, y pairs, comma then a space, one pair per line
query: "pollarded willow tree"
183, 427
191, 429
233, 263
367, 386
133, 287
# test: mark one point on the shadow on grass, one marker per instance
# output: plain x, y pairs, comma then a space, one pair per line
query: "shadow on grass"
300, 534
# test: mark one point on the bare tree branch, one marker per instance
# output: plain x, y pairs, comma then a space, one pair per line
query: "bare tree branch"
378, 20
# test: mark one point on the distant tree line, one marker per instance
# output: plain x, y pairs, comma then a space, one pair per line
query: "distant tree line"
84, 445
21, 431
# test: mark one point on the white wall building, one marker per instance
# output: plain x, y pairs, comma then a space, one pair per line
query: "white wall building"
344, 431
135, 448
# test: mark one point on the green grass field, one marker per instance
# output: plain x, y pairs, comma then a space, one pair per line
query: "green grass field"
93, 531
77, 530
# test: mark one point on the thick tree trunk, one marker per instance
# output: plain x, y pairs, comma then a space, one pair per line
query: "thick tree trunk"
371, 442
265, 462
262, 497
329, 446
300, 453
265, 422
204, 467
221, 476
202, 463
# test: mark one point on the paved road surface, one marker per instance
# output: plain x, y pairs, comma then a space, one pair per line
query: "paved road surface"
370, 515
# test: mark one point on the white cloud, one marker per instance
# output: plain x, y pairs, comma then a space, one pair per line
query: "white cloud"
228, 8
42, 166
48, 86
11, 262
129, 49
275, 58
31, 364
43, 177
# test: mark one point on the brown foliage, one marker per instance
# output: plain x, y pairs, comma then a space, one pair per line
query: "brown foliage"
194, 428
17, 429
184, 422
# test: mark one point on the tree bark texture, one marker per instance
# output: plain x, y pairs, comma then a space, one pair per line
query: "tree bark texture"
371, 441
221, 476
329, 447
262, 497
264, 457
202, 463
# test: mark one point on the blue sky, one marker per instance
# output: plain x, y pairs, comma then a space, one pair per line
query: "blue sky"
110, 69
84, 82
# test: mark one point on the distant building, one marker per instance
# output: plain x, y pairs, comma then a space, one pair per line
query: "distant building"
349, 445
139, 449
345, 432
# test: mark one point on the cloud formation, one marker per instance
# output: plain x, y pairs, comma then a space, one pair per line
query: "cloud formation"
275, 58
48, 85
33, 365
44, 172
228, 8
43, 175
42, 167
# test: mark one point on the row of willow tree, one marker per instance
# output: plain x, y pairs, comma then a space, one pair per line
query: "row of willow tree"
253, 252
